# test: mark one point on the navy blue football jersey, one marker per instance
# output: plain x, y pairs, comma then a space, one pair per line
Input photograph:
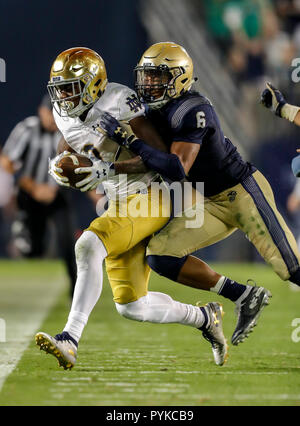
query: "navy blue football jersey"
192, 118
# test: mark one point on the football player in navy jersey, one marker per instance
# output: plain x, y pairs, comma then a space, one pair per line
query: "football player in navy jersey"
237, 194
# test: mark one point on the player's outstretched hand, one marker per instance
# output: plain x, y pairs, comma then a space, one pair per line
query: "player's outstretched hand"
56, 171
273, 99
99, 171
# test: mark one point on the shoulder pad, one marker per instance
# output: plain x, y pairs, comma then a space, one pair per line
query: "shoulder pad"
186, 106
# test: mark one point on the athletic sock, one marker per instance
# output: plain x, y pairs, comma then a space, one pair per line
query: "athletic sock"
206, 323
230, 289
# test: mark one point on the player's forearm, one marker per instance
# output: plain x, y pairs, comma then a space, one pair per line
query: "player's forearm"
134, 165
168, 165
291, 113
63, 146
143, 129
297, 119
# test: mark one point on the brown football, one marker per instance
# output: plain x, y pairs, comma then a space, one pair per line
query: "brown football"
71, 162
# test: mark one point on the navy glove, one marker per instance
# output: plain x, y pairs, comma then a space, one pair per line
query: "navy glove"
115, 131
296, 166
273, 99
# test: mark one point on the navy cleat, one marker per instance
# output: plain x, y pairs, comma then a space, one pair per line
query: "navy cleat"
62, 346
248, 313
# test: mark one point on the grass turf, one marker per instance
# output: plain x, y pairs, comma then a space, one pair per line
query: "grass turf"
127, 363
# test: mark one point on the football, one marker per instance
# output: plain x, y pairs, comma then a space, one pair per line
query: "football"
71, 162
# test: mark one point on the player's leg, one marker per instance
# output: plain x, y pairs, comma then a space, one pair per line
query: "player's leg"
266, 228
115, 232
110, 235
90, 254
168, 251
129, 275
167, 255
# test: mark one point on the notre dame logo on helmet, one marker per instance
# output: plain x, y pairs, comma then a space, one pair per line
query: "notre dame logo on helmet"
133, 103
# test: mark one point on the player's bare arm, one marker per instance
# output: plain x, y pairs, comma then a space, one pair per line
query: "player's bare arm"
143, 129
134, 165
63, 146
186, 152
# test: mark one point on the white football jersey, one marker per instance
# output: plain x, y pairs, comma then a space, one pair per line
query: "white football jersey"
85, 136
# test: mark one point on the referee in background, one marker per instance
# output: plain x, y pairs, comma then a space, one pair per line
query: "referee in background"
39, 199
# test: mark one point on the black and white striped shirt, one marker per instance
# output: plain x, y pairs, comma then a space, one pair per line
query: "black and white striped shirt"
30, 146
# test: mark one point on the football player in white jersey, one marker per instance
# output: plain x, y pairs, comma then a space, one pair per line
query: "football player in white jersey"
81, 95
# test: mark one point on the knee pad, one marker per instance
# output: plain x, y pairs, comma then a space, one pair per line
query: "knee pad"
295, 277
124, 294
133, 310
167, 266
86, 245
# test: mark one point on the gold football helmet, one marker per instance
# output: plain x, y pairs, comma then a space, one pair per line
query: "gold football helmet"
164, 72
77, 80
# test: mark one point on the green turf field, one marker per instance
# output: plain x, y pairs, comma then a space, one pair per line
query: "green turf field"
122, 362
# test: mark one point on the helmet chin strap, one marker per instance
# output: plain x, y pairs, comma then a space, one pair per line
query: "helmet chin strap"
68, 106
158, 104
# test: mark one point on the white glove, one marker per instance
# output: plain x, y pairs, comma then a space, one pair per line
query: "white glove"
99, 171
56, 171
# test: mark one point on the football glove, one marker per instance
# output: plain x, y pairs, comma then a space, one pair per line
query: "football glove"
115, 131
273, 99
56, 171
99, 171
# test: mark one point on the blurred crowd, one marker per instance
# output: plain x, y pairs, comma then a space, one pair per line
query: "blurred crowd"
257, 38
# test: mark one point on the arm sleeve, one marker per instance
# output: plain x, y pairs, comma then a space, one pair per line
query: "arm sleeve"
166, 164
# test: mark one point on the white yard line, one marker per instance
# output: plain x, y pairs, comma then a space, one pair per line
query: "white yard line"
24, 306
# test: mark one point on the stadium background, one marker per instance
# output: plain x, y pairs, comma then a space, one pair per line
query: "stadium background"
236, 45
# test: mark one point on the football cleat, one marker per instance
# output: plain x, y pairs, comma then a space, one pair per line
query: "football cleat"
62, 346
214, 332
248, 313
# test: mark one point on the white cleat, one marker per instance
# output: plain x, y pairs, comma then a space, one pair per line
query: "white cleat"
214, 332
62, 346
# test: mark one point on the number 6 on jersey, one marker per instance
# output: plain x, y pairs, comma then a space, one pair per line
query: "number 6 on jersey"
200, 117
